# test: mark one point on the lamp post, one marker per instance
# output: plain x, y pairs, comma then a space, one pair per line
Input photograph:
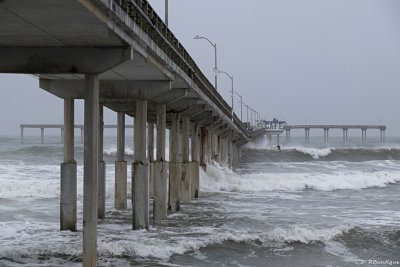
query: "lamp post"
215, 57
166, 12
241, 104
230, 77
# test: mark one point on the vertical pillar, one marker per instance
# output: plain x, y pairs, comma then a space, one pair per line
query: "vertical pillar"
346, 134
101, 206
219, 150
140, 177
230, 156
68, 172
195, 165
160, 171
150, 153
202, 148
210, 145
62, 135
42, 135
22, 135
186, 180
175, 166
91, 119
287, 136
277, 139
121, 171
384, 131
82, 136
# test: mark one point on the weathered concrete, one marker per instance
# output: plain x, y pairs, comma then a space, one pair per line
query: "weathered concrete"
203, 149
186, 186
160, 169
160, 202
68, 183
120, 185
140, 169
101, 208
91, 119
150, 154
42, 135
121, 166
68, 196
195, 164
175, 168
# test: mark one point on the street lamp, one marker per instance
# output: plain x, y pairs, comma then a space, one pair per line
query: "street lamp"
241, 103
166, 12
215, 59
230, 77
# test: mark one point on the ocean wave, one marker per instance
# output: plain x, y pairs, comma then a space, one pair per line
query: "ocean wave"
300, 154
218, 178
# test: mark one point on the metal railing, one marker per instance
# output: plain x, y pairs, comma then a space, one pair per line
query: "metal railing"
147, 19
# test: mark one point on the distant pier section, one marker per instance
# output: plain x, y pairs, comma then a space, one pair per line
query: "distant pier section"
326, 128
42, 127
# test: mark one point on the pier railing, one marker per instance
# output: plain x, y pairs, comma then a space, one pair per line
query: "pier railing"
147, 19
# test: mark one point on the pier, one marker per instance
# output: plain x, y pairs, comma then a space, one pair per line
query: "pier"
129, 61
326, 128
42, 127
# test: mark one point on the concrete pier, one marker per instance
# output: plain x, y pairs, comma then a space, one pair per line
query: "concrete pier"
91, 119
150, 157
140, 176
195, 164
186, 180
203, 149
42, 135
160, 169
175, 166
344, 128
68, 172
120, 166
101, 208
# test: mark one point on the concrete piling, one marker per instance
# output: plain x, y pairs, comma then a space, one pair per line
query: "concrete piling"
203, 150
150, 154
68, 172
42, 135
195, 164
160, 169
91, 119
140, 170
175, 166
120, 166
101, 208
186, 181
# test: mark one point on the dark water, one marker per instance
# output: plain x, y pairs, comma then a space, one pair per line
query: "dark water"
314, 205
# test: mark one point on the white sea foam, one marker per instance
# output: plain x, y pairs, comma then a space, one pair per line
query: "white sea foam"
316, 153
220, 179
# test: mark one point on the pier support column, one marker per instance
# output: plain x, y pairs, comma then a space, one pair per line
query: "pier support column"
219, 158
160, 169
62, 135
203, 148
307, 132
287, 136
382, 131
91, 119
186, 180
22, 135
230, 155
363, 134
326, 135
175, 166
68, 172
121, 172
150, 154
101, 208
82, 135
345, 135
140, 176
277, 139
42, 135
195, 164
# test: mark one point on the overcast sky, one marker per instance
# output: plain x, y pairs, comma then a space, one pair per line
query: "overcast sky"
308, 61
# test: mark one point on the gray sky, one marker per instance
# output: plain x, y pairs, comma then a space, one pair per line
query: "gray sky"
308, 61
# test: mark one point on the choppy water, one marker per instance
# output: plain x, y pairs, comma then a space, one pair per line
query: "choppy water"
314, 205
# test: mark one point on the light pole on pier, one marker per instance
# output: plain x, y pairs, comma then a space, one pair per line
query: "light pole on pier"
241, 106
197, 37
166, 12
230, 77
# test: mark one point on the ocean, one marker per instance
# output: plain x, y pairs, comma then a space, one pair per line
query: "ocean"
316, 204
